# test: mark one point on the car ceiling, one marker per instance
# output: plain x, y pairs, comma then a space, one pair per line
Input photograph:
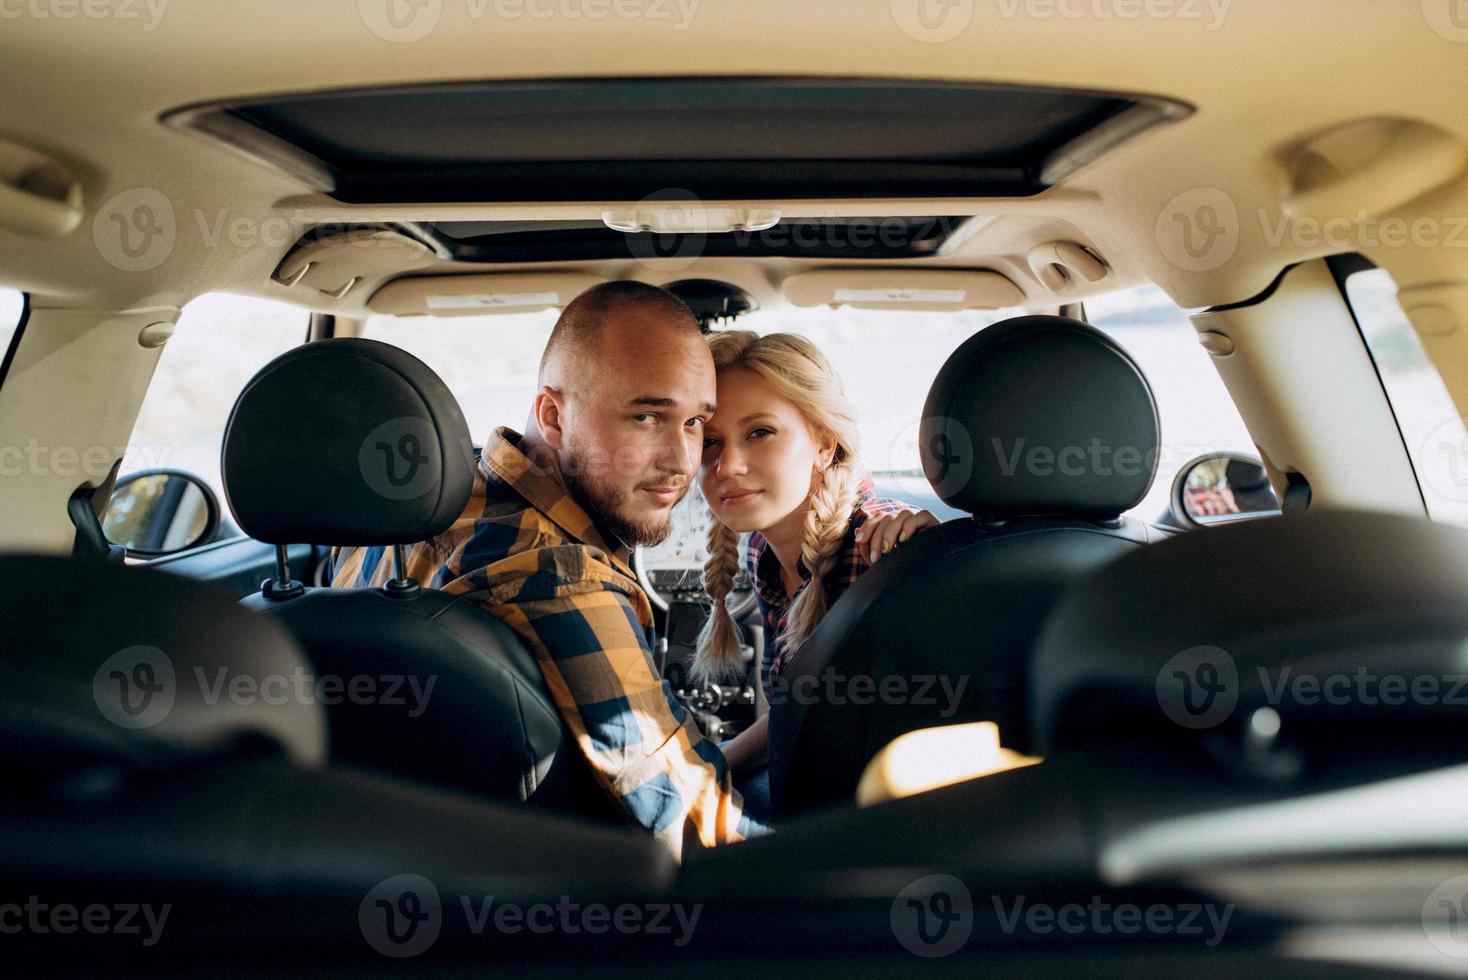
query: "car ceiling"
89, 93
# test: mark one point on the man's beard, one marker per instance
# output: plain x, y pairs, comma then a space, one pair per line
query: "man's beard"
604, 504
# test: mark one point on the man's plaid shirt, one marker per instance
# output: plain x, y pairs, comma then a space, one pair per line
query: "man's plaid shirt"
769, 588
529, 554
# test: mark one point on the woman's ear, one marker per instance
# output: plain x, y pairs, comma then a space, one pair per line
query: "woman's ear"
826, 450
547, 415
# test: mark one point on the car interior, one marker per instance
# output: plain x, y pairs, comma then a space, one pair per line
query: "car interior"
1161, 309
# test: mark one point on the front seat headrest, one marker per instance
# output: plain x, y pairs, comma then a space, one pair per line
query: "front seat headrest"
127, 668
1040, 416
346, 442
1345, 625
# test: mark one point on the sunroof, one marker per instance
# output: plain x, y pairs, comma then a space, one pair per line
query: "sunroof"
716, 138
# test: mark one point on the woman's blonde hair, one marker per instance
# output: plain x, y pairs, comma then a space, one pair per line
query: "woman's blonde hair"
797, 370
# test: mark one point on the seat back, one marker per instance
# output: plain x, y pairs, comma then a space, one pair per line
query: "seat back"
415, 682
1045, 431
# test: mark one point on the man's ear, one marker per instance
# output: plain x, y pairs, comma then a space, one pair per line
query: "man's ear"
548, 417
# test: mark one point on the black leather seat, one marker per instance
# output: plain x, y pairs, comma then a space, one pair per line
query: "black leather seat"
354, 442
1045, 431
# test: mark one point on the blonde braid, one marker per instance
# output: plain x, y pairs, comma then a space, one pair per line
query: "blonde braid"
826, 521
718, 653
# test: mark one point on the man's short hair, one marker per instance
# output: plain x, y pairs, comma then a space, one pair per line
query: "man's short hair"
577, 328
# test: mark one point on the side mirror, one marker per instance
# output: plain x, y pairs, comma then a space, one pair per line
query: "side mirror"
1220, 488
160, 512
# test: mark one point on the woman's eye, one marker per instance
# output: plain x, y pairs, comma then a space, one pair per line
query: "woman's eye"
761, 432
711, 444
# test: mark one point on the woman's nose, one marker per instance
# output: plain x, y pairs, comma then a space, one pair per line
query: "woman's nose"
731, 462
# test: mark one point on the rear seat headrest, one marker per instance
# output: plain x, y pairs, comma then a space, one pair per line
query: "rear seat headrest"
1040, 415
127, 667
346, 442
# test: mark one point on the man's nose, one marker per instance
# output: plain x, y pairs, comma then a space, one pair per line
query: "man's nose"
685, 452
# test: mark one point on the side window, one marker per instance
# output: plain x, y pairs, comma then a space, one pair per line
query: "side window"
218, 345
12, 308
1197, 414
1432, 427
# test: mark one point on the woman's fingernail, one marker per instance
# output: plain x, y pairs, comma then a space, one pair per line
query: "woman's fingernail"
873, 558
902, 537
886, 547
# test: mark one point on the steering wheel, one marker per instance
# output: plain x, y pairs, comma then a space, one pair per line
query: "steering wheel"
673, 570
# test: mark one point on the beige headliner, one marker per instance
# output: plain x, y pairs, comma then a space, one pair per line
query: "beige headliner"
90, 93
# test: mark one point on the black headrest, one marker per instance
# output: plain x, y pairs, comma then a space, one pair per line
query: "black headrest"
1040, 415
114, 667
346, 442
1328, 618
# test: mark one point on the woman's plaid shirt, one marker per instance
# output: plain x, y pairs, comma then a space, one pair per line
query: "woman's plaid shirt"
529, 554
769, 588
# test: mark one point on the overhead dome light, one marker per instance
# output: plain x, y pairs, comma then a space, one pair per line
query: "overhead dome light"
689, 218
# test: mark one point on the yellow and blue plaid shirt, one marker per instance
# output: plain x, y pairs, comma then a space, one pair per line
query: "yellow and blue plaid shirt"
529, 554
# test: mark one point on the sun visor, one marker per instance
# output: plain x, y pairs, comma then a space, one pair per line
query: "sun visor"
937, 290
475, 295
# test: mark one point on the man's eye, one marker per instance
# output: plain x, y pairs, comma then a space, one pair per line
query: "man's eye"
644, 418
694, 423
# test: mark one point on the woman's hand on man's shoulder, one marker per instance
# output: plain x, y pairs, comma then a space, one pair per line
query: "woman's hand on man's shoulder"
880, 534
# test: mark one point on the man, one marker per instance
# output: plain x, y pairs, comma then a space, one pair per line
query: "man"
613, 442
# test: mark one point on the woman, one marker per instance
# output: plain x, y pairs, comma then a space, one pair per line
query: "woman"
780, 460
